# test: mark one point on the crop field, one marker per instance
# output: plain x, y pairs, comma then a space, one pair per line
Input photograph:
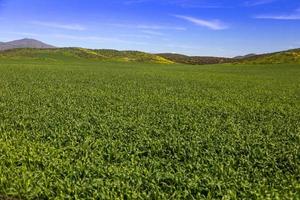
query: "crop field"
108, 130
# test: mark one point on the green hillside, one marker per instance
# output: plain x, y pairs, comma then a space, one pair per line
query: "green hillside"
195, 60
284, 57
68, 54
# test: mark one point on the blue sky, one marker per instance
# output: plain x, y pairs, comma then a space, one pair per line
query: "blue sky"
193, 27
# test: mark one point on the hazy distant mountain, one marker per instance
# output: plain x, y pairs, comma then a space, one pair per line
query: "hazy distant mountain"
245, 56
24, 43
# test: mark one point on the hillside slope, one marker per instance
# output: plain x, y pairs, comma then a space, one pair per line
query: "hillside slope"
31, 49
283, 57
195, 60
61, 54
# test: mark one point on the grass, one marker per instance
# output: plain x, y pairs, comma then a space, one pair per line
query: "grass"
285, 57
81, 54
103, 130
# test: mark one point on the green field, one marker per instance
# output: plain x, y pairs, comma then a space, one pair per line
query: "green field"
105, 130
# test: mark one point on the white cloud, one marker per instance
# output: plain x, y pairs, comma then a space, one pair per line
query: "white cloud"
185, 47
211, 24
75, 27
181, 3
154, 33
24, 34
149, 27
157, 27
293, 16
137, 36
97, 39
128, 2
279, 17
258, 2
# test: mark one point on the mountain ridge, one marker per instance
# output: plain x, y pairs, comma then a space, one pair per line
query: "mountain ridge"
245, 56
24, 43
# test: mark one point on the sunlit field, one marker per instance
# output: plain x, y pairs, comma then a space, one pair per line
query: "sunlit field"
109, 130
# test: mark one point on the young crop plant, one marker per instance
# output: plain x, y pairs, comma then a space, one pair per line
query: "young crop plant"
112, 130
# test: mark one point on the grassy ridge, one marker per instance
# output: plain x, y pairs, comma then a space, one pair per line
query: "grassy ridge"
285, 57
75, 54
69, 54
122, 130
195, 60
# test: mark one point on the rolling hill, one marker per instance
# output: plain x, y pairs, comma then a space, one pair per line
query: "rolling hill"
36, 50
195, 60
284, 57
31, 49
68, 54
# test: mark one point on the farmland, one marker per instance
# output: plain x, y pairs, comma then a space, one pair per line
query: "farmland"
108, 130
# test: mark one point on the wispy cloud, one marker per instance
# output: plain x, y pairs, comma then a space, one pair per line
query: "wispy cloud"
154, 33
128, 2
279, 17
97, 39
158, 27
292, 16
199, 4
148, 27
258, 2
143, 36
75, 27
211, 24
24, 34
181, 3
185, 47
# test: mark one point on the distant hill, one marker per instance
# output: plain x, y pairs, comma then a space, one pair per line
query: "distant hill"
24, 43
64, 54
245, 56
37, 50
283, 57
195, 60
